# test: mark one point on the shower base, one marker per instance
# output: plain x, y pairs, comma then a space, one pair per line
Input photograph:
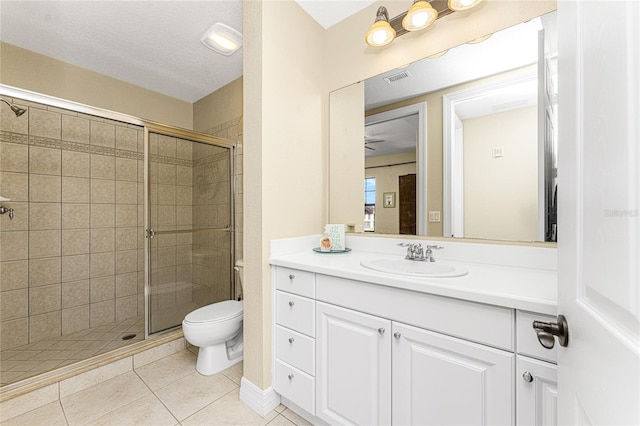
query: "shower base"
30, 360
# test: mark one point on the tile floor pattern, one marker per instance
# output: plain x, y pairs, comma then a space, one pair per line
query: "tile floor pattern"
165, 392
29, 360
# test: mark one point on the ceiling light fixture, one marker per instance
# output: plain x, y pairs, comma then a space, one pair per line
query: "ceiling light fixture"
421, 15
380, 33
222, 39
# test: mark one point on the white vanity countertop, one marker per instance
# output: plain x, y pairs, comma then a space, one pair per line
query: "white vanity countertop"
525, 288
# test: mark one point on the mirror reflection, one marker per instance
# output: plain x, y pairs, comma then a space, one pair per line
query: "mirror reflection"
464, 145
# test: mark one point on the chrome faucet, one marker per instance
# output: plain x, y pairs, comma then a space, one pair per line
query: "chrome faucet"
415, 251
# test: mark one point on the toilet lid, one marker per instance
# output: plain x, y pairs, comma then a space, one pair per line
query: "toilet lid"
215, 312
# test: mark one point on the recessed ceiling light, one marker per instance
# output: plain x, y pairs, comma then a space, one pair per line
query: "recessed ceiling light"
222, 39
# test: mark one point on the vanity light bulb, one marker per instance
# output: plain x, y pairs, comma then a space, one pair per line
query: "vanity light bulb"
459, 5
419, 16
380, 34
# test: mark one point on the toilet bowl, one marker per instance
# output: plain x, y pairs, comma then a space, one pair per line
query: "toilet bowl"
217, 331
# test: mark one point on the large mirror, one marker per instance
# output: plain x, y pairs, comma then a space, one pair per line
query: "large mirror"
458, 145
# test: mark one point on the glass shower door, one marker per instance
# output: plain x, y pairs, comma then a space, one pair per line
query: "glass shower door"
190, 222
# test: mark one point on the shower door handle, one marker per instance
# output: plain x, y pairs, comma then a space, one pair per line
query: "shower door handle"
150, 233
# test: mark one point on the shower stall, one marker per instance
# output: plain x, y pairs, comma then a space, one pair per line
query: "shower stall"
119, 228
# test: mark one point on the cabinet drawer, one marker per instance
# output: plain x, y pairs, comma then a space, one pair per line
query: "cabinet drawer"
296, 386
296, 313
295, 281
296, 349
527, 340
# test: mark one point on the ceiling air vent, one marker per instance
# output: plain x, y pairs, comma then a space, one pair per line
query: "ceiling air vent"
399, 76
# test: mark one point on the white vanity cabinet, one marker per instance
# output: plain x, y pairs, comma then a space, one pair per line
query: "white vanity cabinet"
390, 356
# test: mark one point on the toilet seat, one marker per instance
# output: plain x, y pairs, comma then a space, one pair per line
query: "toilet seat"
217, 312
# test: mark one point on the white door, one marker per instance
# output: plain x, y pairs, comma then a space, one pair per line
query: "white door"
599, 222
353, 372
440, 380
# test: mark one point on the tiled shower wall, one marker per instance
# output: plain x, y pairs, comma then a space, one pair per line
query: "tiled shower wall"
72, 257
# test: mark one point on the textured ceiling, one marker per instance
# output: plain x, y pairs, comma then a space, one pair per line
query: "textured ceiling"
152, 44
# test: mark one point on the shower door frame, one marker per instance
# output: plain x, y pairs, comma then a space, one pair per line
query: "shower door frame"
196, 137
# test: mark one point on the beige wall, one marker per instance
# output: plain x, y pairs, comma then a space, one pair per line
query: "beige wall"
386, 170
28, 70
501, 194
285, 113
221, 106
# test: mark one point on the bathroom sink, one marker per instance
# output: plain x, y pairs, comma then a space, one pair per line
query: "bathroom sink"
415, 268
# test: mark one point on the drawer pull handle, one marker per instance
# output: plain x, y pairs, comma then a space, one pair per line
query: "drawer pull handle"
397, 335
291, 276
381, 330
290, 376
291, 339
291, 303
527, 377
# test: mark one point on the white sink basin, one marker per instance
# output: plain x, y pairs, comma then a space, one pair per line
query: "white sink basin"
415, 268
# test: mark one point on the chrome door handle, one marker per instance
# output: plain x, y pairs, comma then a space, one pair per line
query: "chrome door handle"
546, 331
290, 376
291, 339
381, 330
291, 276
527, 377
397, 335
291, 303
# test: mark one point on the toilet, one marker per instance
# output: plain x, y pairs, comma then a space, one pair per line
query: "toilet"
217, 331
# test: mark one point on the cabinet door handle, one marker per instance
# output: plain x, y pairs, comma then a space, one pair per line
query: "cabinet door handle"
291, 276
397, 335
291, 339
290, 376
381, 330
527, 377
291, 303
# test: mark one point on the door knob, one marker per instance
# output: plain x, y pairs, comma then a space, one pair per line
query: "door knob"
546, 331
291, 276
527, 377
381, 330
397, 335
291, 339
291, 303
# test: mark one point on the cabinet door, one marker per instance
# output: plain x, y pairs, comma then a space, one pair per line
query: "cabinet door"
442, 380
353, 371
537, 392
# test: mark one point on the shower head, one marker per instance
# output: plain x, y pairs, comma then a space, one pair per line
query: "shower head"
16, 109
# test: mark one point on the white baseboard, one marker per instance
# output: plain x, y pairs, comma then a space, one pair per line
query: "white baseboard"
260, 401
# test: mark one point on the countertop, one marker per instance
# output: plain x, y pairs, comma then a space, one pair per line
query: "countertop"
528, 289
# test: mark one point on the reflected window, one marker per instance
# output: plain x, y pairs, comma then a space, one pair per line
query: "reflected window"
369, 204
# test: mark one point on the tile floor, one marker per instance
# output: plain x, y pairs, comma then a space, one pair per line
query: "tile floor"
29, 360
165, 392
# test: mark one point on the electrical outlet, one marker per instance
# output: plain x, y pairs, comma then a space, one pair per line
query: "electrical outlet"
498, 151
434, 216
